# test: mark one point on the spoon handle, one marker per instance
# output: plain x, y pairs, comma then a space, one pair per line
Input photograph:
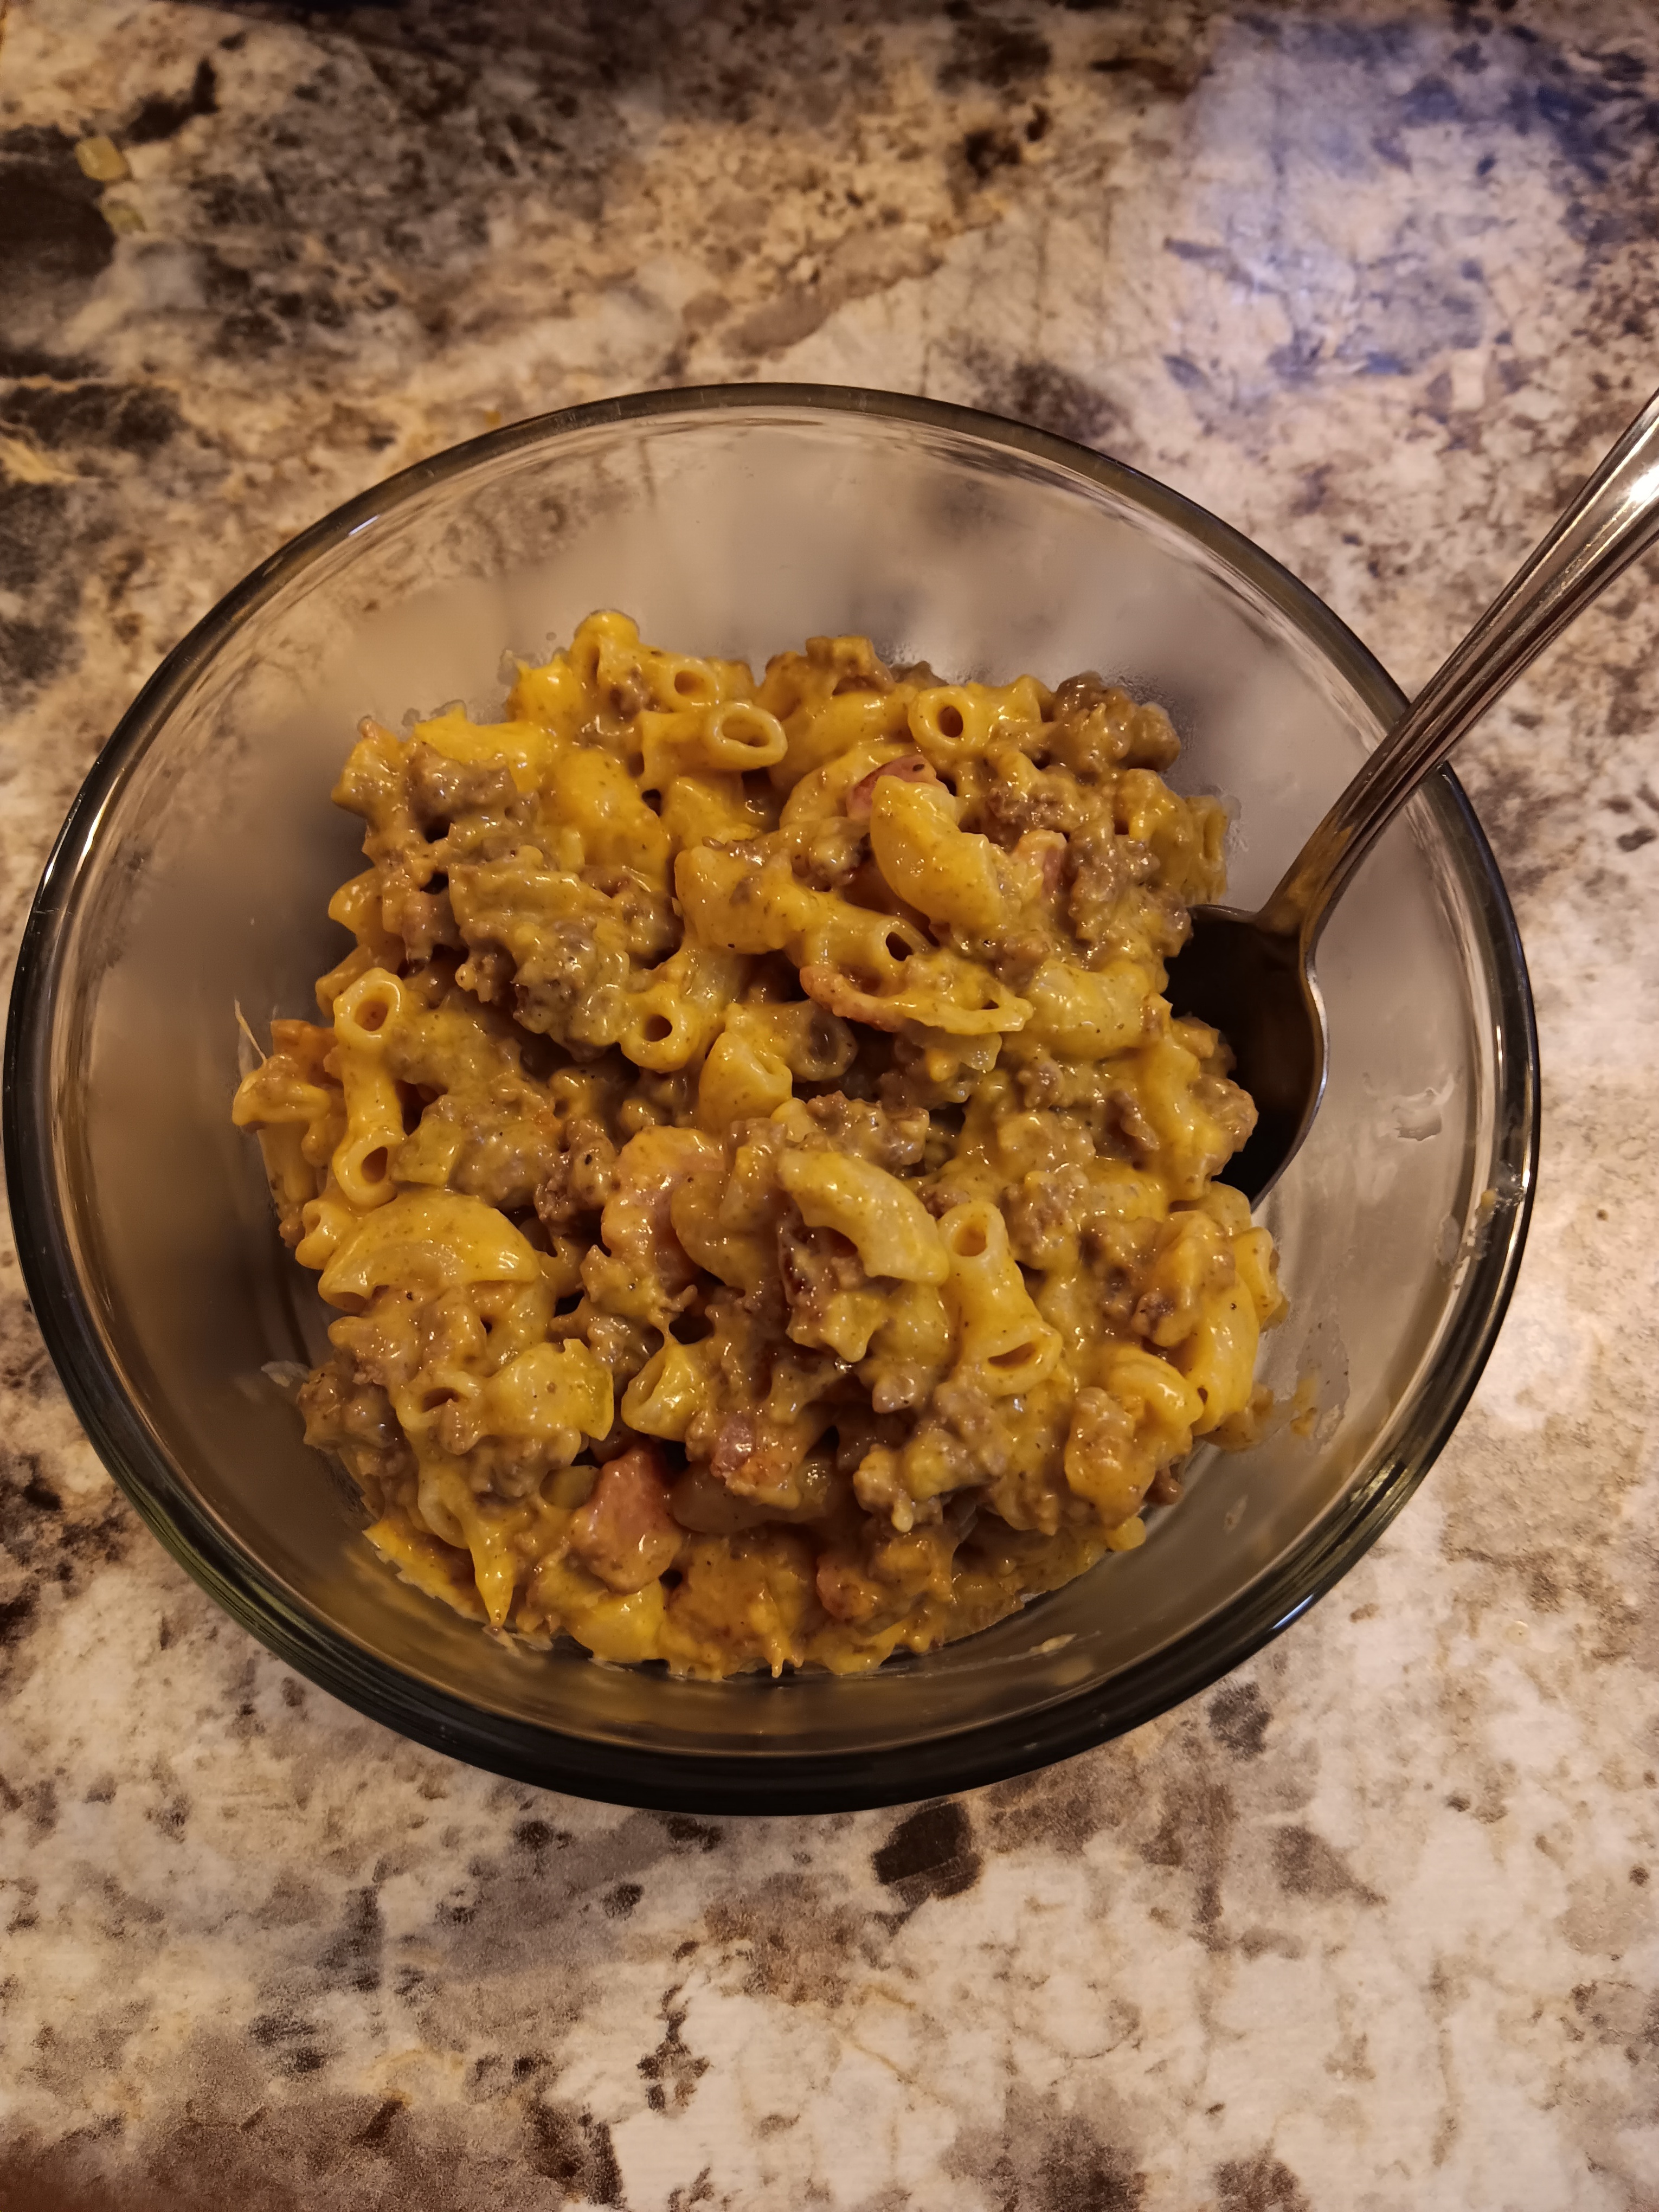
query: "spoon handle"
1613, 519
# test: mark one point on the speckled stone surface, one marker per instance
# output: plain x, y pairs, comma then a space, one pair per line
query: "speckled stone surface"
1372, 1924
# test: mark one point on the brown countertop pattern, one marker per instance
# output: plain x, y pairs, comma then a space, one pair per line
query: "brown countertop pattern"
1370, 1928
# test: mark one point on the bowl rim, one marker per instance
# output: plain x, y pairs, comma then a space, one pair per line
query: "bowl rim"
762, 1783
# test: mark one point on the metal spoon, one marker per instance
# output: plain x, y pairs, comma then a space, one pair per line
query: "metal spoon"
1251, 975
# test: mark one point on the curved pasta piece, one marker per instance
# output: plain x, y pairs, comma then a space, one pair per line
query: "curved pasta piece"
827, 791
882, 1217
711, 810
1217, 1358
732, 737
552, 694
361, 1164
436, 1238
1087, 1013
741, 1080
735, 1252
675, 1010
953, 721
330, 1220
1006, 1342
592, 792
822, 732
937, 992
668, 1393
1157, 1397
742, 903
947, 874
436, 1569
549, 1390
521, 747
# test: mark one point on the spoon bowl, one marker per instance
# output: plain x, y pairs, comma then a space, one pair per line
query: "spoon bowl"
1279, 1052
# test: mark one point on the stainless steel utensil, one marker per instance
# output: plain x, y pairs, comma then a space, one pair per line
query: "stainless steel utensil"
1252, 974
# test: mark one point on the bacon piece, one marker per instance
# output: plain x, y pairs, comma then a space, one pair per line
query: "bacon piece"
753, 1457
1044, 852
836, 991
625, 1534
909, 768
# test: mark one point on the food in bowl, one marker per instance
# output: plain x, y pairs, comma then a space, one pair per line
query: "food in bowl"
770, 1207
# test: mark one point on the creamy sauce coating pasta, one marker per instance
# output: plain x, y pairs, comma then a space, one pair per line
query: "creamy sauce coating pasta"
768, 1201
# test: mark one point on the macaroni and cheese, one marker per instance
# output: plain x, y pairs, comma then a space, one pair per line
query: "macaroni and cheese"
768, 1201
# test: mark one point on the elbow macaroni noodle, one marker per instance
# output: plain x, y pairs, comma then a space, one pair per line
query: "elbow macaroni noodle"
767, 1202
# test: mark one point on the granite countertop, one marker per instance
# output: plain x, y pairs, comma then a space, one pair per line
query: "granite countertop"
1371, 1925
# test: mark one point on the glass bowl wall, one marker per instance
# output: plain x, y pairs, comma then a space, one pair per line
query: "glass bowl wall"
192, 879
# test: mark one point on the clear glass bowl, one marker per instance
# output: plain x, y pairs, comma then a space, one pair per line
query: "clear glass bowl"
191, 877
